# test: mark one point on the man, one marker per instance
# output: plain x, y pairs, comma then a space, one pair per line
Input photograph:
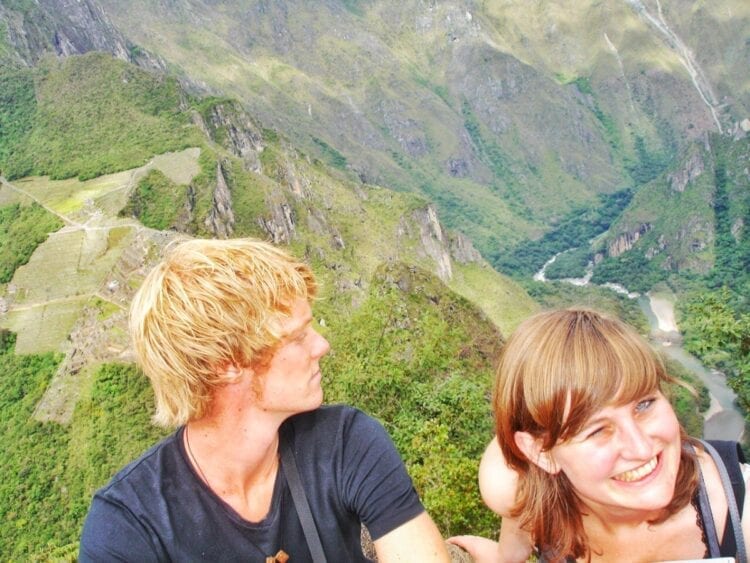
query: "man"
224, 331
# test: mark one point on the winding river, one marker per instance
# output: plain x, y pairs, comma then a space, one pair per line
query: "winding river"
723, 420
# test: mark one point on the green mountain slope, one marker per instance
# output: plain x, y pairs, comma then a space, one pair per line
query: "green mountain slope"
506, 114
86, 117
674, 224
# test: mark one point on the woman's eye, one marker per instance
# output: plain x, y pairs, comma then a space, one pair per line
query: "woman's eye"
595, 432
644, 404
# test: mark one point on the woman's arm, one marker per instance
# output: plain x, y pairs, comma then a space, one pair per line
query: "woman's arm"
497, 484
497, 481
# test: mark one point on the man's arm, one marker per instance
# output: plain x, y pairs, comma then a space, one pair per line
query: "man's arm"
416, 540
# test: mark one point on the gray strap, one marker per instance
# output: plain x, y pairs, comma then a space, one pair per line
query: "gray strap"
709, 526
289, 465
734, 513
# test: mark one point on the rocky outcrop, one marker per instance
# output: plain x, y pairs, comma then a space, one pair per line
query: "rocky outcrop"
298, 184
692, 168
280, 225
433, 242
69, 27
403, 129
220, 219
625, 241
457, 167
462, 250
661, 245
227, 124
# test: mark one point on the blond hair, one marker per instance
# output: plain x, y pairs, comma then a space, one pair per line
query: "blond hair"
209, 305
556, 371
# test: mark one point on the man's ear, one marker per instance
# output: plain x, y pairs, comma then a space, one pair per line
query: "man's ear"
532, 449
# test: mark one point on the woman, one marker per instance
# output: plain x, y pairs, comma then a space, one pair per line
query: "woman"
590, 462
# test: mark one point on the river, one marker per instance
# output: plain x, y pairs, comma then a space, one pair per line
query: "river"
723, 419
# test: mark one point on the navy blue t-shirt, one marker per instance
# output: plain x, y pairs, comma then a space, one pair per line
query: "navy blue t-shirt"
158, 509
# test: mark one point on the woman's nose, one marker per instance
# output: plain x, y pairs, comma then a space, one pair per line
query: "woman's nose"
635, 442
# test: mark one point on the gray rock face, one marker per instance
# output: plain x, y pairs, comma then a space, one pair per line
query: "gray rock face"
692, 169
462, 250
280, 225
69, 27
625, 241
403, 129
433, 241
220, 219
229, 125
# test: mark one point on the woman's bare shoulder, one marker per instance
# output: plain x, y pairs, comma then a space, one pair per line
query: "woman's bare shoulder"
497, 481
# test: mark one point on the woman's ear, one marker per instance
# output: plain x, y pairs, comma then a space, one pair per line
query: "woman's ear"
532, 449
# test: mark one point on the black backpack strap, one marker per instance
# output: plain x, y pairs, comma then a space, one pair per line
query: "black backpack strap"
727, 456
289, 466
732, 456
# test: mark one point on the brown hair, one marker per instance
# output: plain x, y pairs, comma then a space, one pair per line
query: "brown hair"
208, 305
556, 371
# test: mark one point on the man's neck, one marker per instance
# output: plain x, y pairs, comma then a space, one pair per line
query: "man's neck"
237, 459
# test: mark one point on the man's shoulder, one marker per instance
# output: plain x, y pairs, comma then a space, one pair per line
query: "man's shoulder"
147, 468
329, 417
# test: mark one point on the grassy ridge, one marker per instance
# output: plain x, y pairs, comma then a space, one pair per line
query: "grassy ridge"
87, 116
50, 471
29, 475
17, 110
22, 229
156, 201
420, 359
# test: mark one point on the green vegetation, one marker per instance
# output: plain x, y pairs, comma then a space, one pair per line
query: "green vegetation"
715, 313
87, 116
575, 230
631, 269
609, 126
156, 201
648, 164
34, 499
354, 6
686, 404
555, 295
49, 472
569, 264
419, 358
330, 155
17, 109
504, 183
22, 229
717, 329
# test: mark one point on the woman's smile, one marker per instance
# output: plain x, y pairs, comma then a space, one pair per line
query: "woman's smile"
638, 473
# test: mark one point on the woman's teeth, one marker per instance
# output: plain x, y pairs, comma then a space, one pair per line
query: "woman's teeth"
636, 474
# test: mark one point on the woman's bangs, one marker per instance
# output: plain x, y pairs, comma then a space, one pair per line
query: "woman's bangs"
607, 372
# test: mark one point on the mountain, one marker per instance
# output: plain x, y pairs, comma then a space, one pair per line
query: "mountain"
506, 114
393, 146
675, 223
